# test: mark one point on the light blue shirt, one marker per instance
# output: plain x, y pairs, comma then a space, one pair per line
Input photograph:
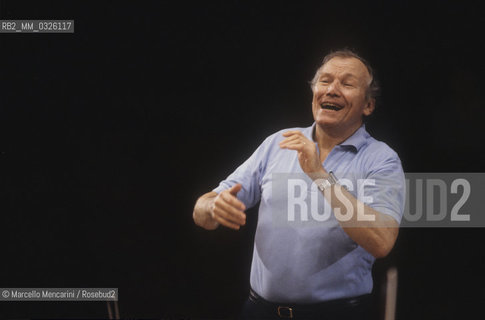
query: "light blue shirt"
308, 259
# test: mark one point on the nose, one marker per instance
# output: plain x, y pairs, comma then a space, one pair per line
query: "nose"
333, 89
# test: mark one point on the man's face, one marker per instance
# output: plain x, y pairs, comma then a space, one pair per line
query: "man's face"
339, 95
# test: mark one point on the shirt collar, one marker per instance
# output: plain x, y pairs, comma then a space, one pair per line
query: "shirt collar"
357, 140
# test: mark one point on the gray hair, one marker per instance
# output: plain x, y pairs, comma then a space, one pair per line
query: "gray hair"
373, 90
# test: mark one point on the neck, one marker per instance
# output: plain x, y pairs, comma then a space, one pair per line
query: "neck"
327, 138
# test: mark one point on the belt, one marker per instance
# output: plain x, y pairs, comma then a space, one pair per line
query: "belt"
289, 310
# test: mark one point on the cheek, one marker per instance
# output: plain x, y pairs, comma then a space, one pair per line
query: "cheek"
314, 96
314, 101
315, 105
357, 100
314, 110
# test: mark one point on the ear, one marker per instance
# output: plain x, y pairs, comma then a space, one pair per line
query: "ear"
369, 107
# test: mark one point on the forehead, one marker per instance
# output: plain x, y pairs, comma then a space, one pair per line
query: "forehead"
343, 66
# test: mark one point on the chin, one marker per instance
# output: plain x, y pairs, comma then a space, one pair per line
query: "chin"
325, 122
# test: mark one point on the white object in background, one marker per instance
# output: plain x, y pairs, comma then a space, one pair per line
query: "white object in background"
391, 294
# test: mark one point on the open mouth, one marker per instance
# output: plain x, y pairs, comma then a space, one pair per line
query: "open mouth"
331, 106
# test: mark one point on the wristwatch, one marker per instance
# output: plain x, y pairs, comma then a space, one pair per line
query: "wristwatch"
328, 182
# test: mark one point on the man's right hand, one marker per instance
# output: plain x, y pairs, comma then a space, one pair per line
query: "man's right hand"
228, 210
212, 210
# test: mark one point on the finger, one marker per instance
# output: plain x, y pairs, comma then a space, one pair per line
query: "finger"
294, 138
228, 207
294, 146
232, 200
235, 189
293, 141
289, 139
221, 213
231, 212
226, 223
291, 132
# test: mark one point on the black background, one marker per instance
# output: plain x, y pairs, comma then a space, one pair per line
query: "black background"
110, 134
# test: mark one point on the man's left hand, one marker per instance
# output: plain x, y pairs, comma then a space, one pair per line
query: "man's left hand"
307, 151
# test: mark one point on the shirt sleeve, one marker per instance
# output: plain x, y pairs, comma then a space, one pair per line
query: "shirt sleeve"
385, 187
249, 175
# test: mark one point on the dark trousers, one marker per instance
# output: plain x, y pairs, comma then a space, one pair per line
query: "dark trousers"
358, 308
